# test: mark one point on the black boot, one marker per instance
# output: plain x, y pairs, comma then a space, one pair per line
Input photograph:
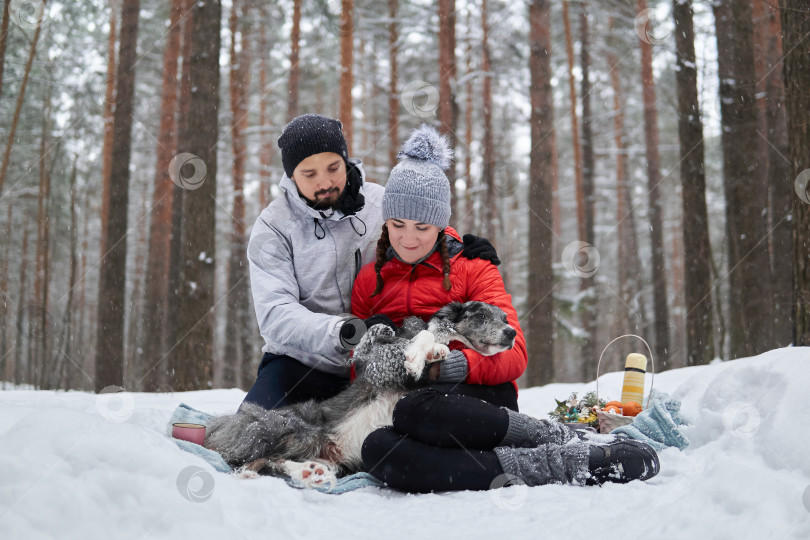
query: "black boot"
621, 462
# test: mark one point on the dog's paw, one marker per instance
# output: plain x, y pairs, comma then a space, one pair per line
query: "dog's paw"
438, 354
311, 473
417, 352
245, 473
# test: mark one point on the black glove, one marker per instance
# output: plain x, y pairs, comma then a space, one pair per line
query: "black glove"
351, 332
354, 329
380, 319
476, 247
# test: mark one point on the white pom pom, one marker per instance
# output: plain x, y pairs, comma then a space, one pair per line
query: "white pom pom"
427, 144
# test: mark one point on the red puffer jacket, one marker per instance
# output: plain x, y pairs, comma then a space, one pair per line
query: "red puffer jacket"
417, 290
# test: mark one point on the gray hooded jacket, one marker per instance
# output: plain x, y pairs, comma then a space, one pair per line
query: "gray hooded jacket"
302, 267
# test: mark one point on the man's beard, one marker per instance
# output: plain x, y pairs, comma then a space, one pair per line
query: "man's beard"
322, 203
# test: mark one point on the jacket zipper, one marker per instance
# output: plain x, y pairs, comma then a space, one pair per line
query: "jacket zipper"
410, 288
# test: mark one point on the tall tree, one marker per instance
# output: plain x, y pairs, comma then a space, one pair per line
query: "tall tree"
157, 268
447, 78
112, 272
393, 92
43, 263
194, 359
697, 276
295, 70
3, 40
628, 259
19, 346
539, 319
347, 69
238, 350
171, 352
265, 124
489, 214
5, 298
776, 167
20, 98
795, 43
109, 121
659, 271
746, 222
587, 282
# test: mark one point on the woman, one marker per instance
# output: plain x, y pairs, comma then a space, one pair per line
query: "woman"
465, 431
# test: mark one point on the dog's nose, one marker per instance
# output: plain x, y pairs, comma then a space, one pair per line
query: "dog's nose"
510, 333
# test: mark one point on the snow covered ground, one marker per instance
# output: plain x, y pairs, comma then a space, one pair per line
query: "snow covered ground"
79, 465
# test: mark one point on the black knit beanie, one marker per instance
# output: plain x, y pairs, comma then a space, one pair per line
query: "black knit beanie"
310, 134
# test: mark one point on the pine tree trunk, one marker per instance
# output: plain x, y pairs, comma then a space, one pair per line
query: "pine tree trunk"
779, 177
447, 77
109, 120
748, 260
112, 274
585, 194
796, 28
157, 269
469, 190
3, 39
629, 262
347, 69
489, 214
238, 323
539, 319
194, 359
6, 368
393, 92
170, 356
587, 366
295, 70
41, 274
659, 275
697, 274
63, 351
18, 108
19, 346
265, 125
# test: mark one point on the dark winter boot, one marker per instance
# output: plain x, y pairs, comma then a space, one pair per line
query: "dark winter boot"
525, 431
546, 464
621, 462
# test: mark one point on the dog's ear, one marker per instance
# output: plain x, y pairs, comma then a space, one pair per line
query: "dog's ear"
451, 312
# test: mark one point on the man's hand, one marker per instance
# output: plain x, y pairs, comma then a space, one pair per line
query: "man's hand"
476, 247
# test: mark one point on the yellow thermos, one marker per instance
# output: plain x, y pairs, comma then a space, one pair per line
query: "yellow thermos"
634, 369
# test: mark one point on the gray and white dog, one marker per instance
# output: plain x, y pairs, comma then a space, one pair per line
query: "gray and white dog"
317, 441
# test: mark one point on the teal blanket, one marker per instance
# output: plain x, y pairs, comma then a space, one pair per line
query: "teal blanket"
184, 413
658, 425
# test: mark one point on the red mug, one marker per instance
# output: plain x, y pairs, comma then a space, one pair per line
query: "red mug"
189, 432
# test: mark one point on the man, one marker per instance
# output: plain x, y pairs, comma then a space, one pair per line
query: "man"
304, 252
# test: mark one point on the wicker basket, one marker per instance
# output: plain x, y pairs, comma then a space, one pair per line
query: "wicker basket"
608, 422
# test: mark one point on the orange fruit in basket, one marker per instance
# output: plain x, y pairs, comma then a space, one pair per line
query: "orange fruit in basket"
631, 408
614, 403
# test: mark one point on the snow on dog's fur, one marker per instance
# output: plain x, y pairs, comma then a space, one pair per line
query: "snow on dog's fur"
316, 441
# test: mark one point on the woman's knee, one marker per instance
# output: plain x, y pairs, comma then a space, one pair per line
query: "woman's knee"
415, 405
377, 445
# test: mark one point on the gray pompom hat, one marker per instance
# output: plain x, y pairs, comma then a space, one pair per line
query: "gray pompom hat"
418, 189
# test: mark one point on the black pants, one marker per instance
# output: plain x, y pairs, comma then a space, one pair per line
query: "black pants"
283, 380
442, 438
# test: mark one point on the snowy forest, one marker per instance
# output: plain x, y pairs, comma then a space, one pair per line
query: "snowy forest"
641, 166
